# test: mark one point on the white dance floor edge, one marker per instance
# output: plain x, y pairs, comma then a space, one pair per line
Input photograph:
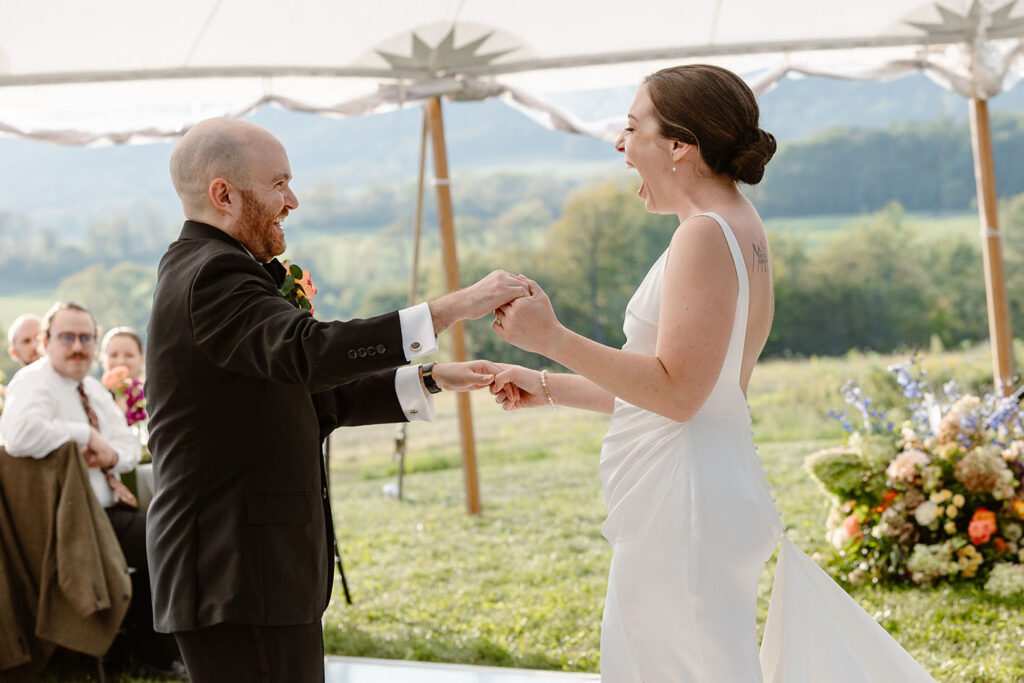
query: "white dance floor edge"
360, 670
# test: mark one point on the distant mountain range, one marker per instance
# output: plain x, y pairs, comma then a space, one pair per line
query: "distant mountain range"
65, 189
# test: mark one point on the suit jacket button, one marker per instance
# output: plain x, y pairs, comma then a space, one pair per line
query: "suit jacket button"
415, 346
371, 351
352, 354
362, 352
381, 348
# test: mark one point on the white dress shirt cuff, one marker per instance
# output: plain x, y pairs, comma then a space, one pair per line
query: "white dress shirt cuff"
417, 331
416, 403
81, 433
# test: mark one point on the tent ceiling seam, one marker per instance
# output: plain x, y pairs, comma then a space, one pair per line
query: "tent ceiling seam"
202, 33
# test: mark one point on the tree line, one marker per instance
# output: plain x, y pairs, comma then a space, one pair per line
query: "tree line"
880, 284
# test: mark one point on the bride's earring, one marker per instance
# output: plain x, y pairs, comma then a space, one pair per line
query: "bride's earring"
673, 169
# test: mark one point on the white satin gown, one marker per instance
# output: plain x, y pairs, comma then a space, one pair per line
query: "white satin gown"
691, 522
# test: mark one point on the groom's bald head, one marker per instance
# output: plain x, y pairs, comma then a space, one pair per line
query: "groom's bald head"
215, 148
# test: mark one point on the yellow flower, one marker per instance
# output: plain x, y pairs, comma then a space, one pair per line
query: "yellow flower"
946, 494
939, 512
936, 497
952, 511
950, 527
958, 500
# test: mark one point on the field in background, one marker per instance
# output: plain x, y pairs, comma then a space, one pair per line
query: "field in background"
814, 231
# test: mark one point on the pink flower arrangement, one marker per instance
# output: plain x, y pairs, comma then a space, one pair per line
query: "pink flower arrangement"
127, 391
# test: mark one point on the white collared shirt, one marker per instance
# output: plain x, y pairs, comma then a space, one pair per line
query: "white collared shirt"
43, 411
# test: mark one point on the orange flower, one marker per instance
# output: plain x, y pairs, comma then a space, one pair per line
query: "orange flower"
307, 284
1000, 544
114, 377
308, 289
1018, 508
890, 496
982, 526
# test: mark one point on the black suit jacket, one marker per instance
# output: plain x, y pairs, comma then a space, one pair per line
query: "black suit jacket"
241, 388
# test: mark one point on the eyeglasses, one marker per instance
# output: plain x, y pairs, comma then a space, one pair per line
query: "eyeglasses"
68, 338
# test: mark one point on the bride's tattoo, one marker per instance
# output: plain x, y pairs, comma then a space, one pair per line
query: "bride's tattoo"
760, 257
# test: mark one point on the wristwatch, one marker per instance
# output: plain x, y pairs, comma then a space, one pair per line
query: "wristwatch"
427, 375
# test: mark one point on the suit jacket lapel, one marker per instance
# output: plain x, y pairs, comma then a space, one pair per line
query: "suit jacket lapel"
276, 270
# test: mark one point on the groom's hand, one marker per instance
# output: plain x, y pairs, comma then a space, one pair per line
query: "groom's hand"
467, 376
496, 289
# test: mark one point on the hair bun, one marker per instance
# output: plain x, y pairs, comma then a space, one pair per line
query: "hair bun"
752, 154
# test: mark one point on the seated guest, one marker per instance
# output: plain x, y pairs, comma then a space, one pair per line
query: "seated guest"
54, 401
122, 360
122, 346
23, 339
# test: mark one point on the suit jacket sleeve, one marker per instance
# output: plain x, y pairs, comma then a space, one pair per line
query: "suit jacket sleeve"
364, 401
241, 323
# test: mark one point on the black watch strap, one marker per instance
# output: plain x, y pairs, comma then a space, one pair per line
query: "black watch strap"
427, 375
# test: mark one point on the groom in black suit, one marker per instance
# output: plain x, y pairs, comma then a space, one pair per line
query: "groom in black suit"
241, 388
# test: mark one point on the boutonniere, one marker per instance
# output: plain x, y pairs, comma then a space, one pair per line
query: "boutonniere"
298, 287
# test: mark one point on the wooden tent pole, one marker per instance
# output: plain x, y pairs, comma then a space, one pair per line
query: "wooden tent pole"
451, 269
999, 329
418, 227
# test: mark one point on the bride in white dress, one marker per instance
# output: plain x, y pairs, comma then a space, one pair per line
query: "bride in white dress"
691, 520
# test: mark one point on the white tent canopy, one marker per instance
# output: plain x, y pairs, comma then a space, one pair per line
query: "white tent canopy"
129, 71
116, 71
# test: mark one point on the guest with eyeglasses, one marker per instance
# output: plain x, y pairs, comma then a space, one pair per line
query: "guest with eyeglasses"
56, 400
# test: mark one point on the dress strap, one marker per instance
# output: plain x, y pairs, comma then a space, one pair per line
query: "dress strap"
737, 341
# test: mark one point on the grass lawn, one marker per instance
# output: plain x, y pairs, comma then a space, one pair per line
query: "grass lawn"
523, 585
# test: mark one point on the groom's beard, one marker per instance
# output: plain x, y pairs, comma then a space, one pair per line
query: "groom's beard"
256, 228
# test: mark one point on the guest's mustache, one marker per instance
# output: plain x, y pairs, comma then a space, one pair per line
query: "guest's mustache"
78, 356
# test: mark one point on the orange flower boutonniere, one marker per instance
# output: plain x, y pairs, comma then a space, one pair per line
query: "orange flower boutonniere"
298, 287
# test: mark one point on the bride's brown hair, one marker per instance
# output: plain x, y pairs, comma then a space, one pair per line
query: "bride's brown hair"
712, 108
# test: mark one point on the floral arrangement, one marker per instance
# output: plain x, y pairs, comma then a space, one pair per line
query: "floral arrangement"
938, 497
298, 287
127, 391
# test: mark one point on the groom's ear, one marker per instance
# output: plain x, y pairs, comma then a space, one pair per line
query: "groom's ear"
223, 197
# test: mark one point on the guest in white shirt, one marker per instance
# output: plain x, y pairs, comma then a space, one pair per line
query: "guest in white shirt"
48, 404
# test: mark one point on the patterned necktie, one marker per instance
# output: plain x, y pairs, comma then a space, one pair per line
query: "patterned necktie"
121, 492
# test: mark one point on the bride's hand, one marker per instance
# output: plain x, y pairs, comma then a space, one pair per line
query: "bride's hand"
518, 387
528, 322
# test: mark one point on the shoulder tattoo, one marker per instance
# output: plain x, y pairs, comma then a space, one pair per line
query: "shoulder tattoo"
760, 257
